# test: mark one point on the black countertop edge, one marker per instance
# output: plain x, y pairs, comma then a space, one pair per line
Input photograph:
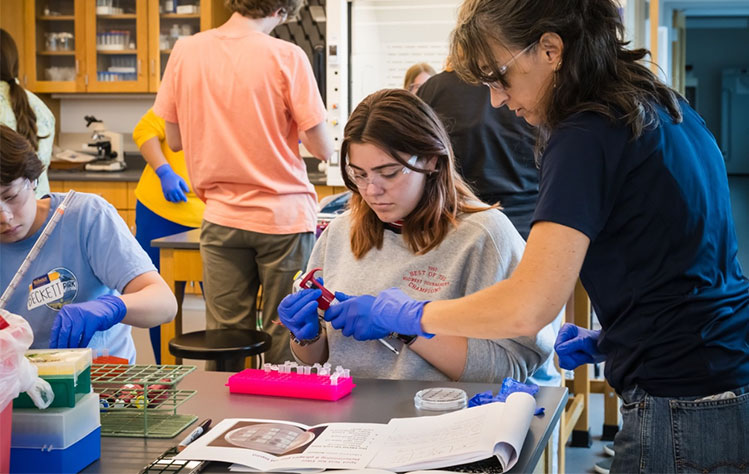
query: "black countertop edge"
135, 164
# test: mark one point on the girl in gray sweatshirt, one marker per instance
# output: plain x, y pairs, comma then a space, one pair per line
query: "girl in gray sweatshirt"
413, 224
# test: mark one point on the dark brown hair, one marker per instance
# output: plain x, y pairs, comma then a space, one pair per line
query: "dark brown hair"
263, 8
17, 158
397, 121
25, 116
597, 74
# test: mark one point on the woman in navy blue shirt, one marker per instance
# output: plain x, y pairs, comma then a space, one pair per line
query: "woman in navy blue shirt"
633, 199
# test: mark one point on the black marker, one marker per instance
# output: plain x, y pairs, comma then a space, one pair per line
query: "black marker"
195, 434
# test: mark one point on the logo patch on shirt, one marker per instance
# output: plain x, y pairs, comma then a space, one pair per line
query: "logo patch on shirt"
55, 289
428, 280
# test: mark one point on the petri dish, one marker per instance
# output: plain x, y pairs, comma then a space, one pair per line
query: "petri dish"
440, 399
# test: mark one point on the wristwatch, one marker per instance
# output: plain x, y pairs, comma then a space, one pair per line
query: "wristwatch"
406, 340
306, 342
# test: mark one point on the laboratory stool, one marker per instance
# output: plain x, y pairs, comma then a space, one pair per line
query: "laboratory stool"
220, 345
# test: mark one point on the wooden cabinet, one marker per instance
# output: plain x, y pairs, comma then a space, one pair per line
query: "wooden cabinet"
54, 46
120, 194
107, 45
116, 46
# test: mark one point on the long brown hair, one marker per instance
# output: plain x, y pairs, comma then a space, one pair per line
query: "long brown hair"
17, 158
597, 73
397, 121
25, 116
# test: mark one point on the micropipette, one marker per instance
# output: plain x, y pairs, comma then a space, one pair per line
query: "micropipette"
36, 248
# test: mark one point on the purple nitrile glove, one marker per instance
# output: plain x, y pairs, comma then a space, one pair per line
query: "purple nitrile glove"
172, 184
368, 317
576, 346
77, 323
298, 312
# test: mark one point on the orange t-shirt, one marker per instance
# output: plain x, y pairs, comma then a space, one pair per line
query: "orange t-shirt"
240, 97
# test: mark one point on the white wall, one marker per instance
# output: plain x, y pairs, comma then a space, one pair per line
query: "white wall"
388, 36
120, 113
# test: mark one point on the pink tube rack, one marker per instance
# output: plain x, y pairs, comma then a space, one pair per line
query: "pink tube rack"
281, 381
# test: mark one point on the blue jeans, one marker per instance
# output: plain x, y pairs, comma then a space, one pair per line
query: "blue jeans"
682, 434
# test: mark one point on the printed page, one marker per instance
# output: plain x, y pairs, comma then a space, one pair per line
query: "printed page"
273, 445
463, 436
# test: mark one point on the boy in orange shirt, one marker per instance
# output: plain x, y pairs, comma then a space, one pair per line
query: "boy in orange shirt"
238, 101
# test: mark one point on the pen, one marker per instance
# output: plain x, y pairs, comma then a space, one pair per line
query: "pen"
389, 346
194, 434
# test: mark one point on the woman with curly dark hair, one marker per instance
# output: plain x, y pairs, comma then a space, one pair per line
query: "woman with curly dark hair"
633, 199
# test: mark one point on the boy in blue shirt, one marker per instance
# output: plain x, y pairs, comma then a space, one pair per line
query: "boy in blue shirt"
91, 281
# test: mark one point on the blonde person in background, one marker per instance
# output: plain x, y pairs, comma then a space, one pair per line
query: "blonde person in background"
24, 112
416, 76
165, 203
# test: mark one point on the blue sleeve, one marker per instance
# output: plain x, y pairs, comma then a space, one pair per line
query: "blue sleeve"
581, 173
113, 253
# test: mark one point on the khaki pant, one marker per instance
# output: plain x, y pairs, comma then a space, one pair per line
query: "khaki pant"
235, 263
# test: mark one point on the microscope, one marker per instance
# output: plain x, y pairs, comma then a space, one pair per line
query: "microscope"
105, 145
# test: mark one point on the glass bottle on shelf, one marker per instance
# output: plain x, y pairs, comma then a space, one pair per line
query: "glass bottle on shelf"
177, 19
116, 41
55, 58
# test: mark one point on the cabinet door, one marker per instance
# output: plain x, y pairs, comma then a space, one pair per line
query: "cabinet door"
116, 45
167, 25
55, 38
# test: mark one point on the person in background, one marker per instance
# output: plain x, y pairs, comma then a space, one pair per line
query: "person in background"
633, 198
23, 111
413, 224
493, 148
239, 101
417, 75
91, 280
165, 204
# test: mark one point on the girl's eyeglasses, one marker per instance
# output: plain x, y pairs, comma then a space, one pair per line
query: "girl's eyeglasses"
382, 177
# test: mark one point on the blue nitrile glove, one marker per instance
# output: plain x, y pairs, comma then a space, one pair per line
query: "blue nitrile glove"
298, 312
576, 346
76, 324
172, 184
366, 317
509, 386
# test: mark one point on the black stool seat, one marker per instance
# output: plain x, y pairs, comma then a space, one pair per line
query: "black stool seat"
220, 344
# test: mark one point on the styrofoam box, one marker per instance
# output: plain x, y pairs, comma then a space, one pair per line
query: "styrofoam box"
55, 428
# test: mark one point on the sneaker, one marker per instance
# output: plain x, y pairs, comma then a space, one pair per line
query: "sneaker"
603, 467
609, 449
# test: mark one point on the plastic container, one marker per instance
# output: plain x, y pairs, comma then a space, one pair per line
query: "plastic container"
71, 459
68, 371
440, 399
55, 428
289, 384
6, 413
